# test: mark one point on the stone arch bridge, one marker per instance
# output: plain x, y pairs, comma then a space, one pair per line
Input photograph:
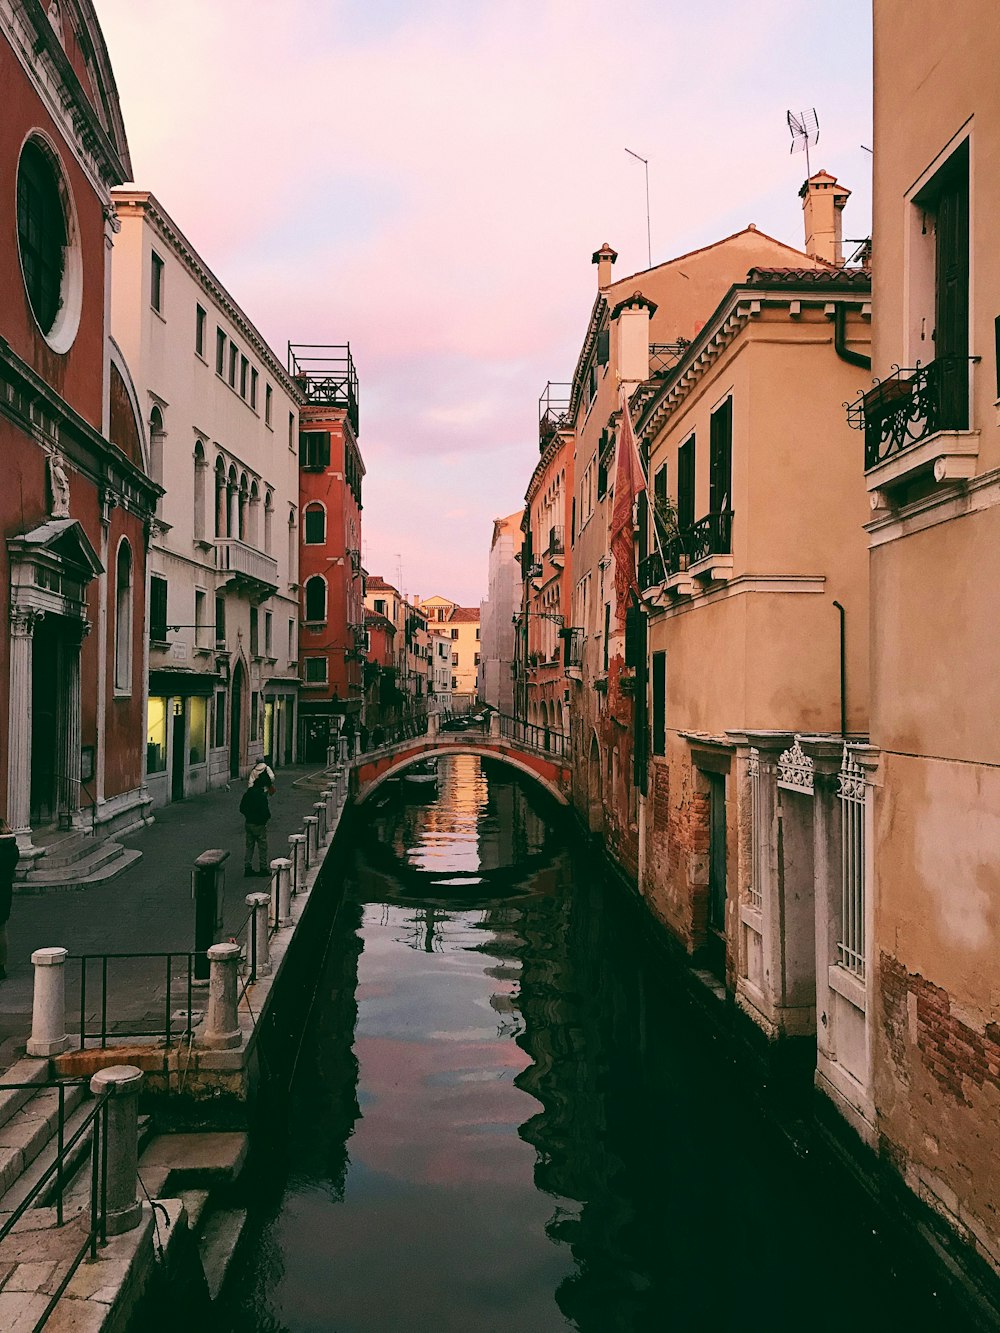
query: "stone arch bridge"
538, 752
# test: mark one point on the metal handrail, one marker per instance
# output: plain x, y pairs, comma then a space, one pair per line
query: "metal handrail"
97, 1230
84, 787
169, 1030
533, 736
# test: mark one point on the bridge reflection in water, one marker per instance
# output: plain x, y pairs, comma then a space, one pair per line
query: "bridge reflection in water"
504, 1118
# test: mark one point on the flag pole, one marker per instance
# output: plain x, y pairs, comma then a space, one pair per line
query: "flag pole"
643, 472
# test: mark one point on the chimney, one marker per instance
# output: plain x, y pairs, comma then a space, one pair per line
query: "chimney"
823, 201
604, 258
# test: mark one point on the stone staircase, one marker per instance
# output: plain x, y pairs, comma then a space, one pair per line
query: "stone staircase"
71, 860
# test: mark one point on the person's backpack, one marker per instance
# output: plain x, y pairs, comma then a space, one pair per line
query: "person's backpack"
254, 805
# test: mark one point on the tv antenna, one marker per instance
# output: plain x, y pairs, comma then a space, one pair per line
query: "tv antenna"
804, 129
649, 242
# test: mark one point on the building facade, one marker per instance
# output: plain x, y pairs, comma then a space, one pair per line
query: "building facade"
76, 510
222, 418
461, 624
331, 472
497, 613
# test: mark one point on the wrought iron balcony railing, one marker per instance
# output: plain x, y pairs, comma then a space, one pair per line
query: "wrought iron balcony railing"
573, 648
556, 540
651, 571
910, 405
711, 535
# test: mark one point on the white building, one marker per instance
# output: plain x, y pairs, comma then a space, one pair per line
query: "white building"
223, 425
439, 670
503, 602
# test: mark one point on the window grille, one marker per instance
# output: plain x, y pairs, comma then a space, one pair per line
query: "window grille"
851, 790
754, 887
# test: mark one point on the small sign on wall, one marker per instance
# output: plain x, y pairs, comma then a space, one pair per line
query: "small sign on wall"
87, 763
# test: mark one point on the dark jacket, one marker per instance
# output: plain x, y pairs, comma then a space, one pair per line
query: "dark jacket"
9, 857
255, 807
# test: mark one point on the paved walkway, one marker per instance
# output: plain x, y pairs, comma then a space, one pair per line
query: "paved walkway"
149, 907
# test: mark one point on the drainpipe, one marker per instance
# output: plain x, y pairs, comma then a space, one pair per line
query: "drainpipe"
840, 341
843, 670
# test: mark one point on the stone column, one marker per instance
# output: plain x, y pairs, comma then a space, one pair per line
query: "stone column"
281, 867
22, 628
258, 927
48, 1011
297, 851
320, 808
312, 844
122, 1155
222, 1028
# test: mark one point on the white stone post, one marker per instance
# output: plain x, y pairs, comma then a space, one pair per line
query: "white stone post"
257, 930
222, 1028
122, 1155
320, 808
48, 1010
297, 851
281, 868
22, 628
433, 725
494, 726
312, 844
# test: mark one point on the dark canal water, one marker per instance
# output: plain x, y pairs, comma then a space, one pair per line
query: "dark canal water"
504, 1117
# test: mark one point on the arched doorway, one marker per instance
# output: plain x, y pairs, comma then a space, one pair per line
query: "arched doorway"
594, 807
237, 689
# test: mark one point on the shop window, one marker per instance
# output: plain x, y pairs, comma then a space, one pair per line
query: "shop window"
197, 729
156, 735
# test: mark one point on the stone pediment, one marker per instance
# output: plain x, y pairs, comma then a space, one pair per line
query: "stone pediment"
63, 539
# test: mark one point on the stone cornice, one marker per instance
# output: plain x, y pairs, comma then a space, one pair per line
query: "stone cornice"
143, 203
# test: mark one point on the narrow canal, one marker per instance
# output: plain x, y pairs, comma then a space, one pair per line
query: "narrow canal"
504, 1117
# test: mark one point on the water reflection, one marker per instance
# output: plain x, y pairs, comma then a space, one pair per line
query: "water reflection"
502, 1119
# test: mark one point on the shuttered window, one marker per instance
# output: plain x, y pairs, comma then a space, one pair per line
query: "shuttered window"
659, 702
685, 483
720, 462
314, 449
157, 608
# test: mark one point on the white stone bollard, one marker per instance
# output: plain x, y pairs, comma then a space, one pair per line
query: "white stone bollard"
297, 851
327, 795
257, 930
281, 868
48, 1008
320, 808
433, 723
312, 843
494, 726
122, 1144
222, 1027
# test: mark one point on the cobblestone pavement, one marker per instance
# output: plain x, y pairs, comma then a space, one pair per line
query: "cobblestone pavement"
148, 908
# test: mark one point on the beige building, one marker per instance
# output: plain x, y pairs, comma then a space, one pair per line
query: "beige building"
932, 468
462, 624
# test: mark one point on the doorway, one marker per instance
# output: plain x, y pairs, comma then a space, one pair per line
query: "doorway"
177, 751
46, 696
236, 690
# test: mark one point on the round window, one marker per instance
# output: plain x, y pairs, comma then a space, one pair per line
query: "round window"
49, 263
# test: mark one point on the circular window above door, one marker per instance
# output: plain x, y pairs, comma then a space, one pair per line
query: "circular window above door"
46, 240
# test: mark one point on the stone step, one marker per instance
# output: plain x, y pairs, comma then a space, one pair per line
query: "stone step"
217, 1245
192, 1161
194, 1202
28, 1131
76, 1171
67, 849
107, 862
21, 1071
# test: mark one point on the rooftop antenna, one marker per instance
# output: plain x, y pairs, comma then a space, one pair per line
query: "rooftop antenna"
804, 129
649, 242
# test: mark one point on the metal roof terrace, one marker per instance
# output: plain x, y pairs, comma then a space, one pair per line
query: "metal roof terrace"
327, 376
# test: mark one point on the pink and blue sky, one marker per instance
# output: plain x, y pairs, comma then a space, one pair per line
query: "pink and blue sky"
428, 179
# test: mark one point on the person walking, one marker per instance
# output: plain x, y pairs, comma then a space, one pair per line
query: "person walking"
256, 811
9, 857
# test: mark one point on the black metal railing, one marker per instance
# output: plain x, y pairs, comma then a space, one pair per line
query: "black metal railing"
391, 733
178, 964
664, 356
711, 535
532, 736
556, 546
53, 1180
553, 410
909, 405
326, 375
651, 571
573, 641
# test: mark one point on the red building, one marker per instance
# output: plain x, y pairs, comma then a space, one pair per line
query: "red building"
332, 630
77, 498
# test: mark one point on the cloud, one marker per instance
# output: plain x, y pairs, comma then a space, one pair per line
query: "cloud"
428, 181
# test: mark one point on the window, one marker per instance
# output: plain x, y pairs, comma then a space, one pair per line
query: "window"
315, 668
123, 619
253, 388
660, 502
945, 205
315, 593
291, 641
659, 686
157, 609
254, 714
454, 633
293, 549
254, 632
476, 662
156, 282
41, 233
454, 659
315, 525
268, 634
314, 449
156, 735
477, 633
200, 612
200, 320
291, 431
234, 361
219, 738
220, 352
268, 521
607, 634
454, 682
268, 403
720, 459
156, 437
220, 621
197, 729
685, 484
380, 606
244, 376
200, 480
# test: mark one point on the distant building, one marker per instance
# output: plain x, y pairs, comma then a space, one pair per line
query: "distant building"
331, 473
439, 670
462, 624
222, 415
495, 683
77, 497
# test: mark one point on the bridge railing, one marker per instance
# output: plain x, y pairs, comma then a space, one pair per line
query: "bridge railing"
532, 736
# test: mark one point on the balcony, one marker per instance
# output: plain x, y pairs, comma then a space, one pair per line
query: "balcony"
553, 412
556, 546
326, 375
916, 422
702, 551
257, 571
573, 649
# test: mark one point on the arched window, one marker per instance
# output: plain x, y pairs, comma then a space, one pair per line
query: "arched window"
123, 619
316, 598
221, 511
253, 515
268, 520
200, 468
315, 525
243, 501
232, 502
293, 549
156, 434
